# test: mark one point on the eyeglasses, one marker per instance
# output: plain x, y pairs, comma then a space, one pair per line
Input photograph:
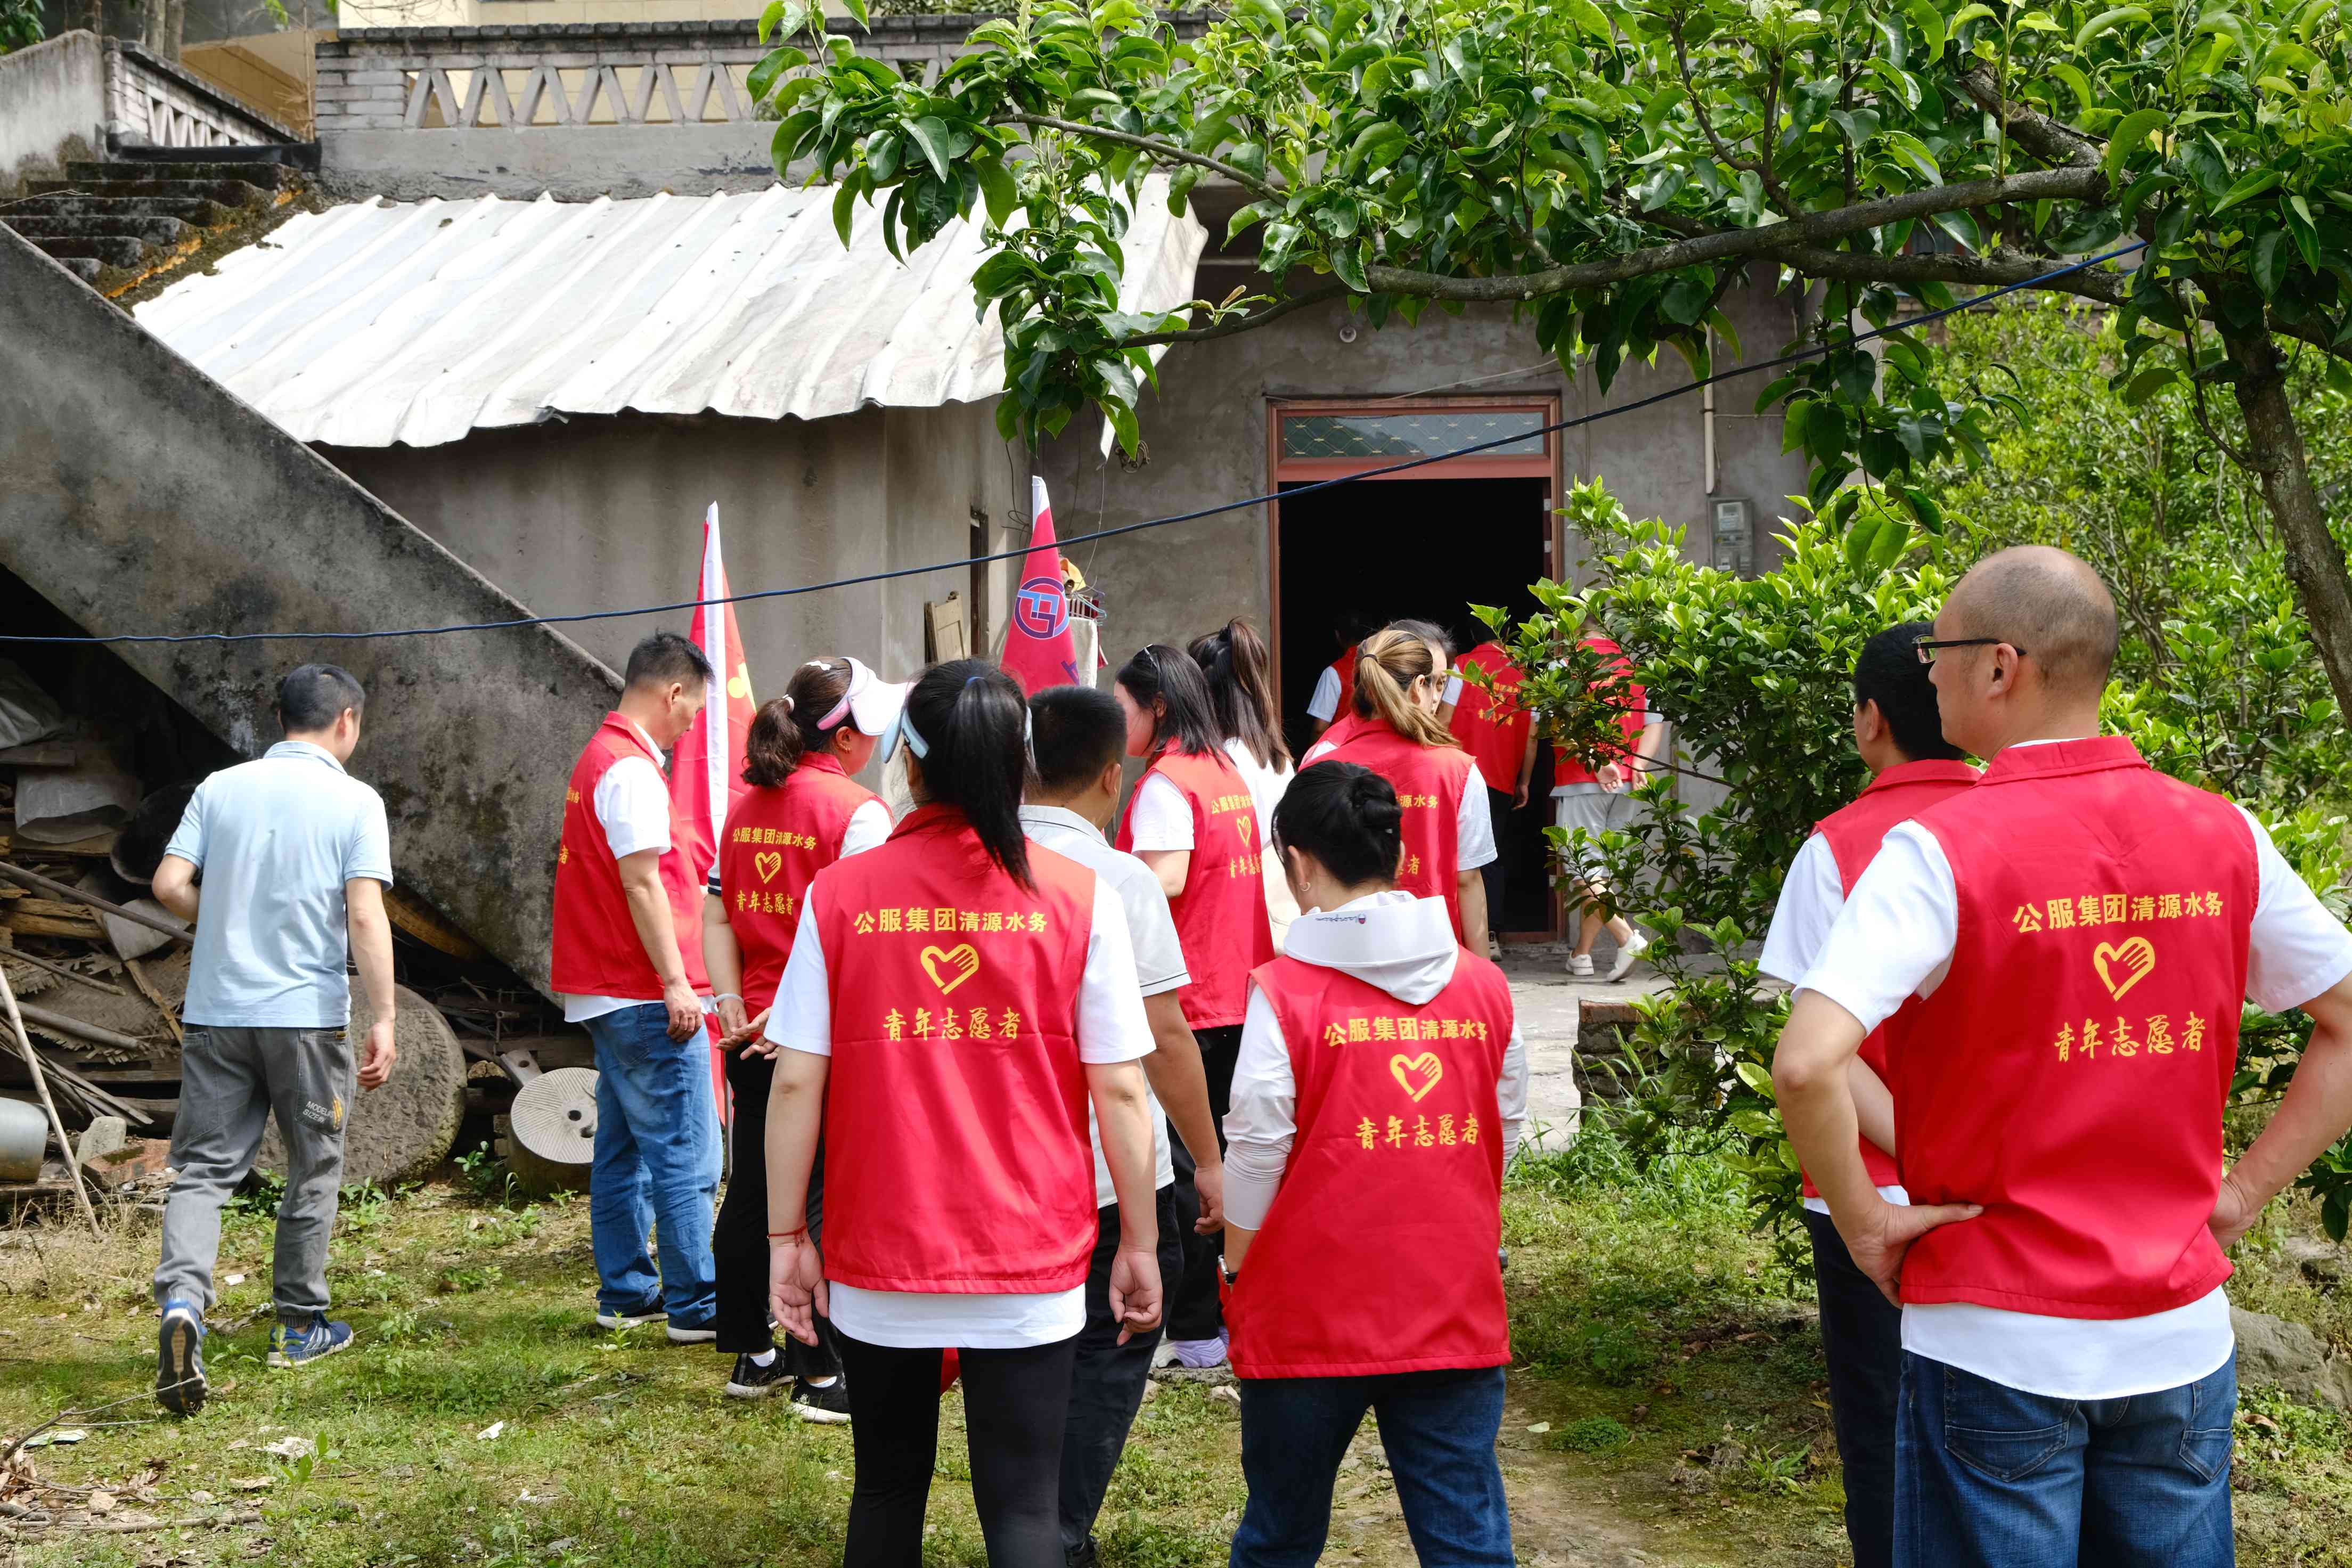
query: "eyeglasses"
1928, 648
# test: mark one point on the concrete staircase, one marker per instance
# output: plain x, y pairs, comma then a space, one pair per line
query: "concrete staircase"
137, 495
128, 215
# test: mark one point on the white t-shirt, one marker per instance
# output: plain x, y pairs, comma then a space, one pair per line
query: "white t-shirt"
1325, 701
1111, 1027
1161, 818
1267, 786
1894, 940
1402, 943
1810, 896
1159, 955
632, 804
1473, 833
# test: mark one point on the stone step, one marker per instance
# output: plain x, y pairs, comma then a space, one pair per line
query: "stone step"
270, 176
39, 227
198, 210
293, 154
229, 193
81, 267
113, 252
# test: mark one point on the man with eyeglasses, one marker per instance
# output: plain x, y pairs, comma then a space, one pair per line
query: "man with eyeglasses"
1901, 740
2079, 931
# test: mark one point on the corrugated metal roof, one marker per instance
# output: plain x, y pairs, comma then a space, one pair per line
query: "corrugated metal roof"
374, 323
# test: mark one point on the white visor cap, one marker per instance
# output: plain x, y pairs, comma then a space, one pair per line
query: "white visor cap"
871, 703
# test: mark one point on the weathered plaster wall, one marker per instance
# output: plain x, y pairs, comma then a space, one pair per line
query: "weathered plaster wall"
52, 108
136, 495
1206, 434
601, 513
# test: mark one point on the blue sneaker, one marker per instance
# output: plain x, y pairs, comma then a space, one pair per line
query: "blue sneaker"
180, 1359
300, 1347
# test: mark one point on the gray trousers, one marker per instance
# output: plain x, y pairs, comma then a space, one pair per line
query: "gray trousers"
231, 1080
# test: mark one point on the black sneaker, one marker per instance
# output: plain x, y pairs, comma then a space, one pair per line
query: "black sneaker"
750, 1380
1085, 1556
827, 1406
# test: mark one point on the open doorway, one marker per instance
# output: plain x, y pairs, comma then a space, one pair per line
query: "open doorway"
1412, 546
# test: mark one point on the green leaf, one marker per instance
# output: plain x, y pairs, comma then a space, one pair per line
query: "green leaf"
2129, 137
2148, 384
1922, 507
1969, 14
2075, 81
1588, 17
1930, 23
1179, 187
1858, 541
930, 133
768, 17
1348, 263
2106, 22
844, 201
998, 186
2252, 186
857, 9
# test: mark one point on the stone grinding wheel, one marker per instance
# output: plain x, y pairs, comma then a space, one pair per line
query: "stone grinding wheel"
404, 1130
551, 1132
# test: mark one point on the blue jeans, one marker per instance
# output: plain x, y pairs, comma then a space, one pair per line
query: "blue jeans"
1989, 1475
1438, 1428
656, 1165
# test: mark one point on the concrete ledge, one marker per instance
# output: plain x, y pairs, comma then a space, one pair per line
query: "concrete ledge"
52, 108
573, 163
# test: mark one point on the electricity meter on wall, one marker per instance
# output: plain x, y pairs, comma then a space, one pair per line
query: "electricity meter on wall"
1732, 536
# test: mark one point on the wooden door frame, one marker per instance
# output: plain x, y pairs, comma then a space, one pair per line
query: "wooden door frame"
1550, 466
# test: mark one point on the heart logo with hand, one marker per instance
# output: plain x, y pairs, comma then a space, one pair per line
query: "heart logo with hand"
1426, 1066
2124, 964
961, 961
768, 862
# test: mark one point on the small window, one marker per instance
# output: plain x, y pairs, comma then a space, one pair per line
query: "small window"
1426, 434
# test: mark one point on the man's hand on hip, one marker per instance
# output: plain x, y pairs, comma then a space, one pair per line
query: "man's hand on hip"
684, 1009
1879, 1240
375, 1067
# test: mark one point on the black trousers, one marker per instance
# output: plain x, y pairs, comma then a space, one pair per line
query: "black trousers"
1498, 812
1195, 1310
1862, 1337
1107, 1383
1015, 1404
739, 1243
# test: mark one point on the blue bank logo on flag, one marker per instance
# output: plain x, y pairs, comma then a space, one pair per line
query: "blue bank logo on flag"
1040, 608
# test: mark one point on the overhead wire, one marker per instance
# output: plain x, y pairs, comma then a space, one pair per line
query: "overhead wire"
965, 562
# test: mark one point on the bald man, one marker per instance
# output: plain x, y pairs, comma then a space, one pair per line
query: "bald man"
2078, 932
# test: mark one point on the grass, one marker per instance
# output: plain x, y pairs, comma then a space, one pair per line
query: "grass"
1670, 1386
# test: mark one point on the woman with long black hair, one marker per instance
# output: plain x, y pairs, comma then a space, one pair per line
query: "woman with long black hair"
954, 1001
804, 811
1239, 669
1191, 820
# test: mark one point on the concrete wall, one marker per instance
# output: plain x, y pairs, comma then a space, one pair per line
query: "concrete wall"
606, 512
52, 108
138, 496
1207, 431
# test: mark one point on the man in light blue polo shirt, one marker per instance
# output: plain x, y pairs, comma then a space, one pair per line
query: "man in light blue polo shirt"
294, 858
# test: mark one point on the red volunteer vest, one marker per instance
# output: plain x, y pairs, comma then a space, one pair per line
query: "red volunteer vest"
1221, 918
1379, 1253
1633, 701
1344, 667
596, 951
1853, 835
2071, 1072
1489, 725
1429, 781
1343, 729
956, 1154
775, 843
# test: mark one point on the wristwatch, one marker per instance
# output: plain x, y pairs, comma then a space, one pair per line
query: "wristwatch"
1232, 1276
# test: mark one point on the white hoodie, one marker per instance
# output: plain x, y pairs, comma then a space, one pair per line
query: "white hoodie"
1400, 943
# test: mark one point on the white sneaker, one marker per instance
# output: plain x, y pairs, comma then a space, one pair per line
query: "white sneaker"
1634, 946
1580, 966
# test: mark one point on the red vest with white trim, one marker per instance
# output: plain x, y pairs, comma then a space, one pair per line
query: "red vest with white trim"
956, 1154
1343, 729
1430, 782
1344, 667
1379, 1253
2071, 1071
1489, 725
1633, 701
596, 951
1854, 834
1221, 918
775, 842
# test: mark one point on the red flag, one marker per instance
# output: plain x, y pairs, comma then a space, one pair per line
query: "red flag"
1038, 648
705, 772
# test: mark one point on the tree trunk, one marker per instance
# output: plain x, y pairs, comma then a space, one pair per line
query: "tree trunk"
175, 27
94, 17
2314, 559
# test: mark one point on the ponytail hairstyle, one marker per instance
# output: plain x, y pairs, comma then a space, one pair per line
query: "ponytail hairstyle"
1387, 665
784, 728
1164, 674
969, 726
1240, 692
1347, 818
